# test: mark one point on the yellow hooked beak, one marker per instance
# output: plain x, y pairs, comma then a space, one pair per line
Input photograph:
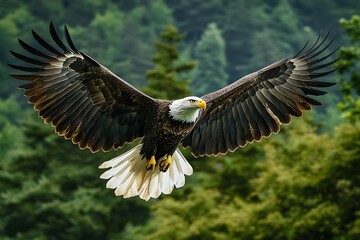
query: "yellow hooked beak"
201, 104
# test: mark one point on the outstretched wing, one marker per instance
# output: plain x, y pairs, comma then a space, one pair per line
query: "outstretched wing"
83, 100
257, 104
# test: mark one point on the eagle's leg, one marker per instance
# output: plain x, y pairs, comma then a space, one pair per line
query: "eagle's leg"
151, 163
165, 164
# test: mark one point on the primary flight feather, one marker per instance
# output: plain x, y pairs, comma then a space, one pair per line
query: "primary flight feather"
96, 109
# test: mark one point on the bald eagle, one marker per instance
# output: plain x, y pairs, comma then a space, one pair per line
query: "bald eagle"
87, 103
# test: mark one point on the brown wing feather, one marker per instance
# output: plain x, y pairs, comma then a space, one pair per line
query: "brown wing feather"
256, 105
83, 100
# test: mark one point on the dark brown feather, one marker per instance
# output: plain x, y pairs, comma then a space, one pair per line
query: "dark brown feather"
257, 104
83, 100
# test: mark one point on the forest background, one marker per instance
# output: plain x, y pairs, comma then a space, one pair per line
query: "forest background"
303, 183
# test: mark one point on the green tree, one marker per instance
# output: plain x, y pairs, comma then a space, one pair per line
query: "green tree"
268, 45
123, 40
204, 12
167, 80
210, 53
349, 70
142, 25
304, 187
11, 136
51, 190
12, 26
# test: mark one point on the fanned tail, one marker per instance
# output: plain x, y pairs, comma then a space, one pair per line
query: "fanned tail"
129, 177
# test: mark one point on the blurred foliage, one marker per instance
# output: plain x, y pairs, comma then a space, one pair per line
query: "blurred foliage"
165, 80
349, 69
305, 187
51, 190
210, 52
298, 184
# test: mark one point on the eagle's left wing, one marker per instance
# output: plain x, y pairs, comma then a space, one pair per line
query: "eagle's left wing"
256, 105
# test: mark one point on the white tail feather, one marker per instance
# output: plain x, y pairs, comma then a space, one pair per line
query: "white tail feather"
129, 177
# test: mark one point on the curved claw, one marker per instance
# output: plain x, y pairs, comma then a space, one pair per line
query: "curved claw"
165, 164
151, 163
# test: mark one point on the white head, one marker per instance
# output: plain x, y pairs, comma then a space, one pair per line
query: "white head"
186, 109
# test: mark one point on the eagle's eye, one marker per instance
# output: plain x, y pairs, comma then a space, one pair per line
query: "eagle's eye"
192, 100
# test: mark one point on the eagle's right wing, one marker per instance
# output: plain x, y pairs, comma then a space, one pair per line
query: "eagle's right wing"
83, 100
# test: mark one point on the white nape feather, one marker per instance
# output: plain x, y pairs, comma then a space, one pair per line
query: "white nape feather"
129, 177
184, 110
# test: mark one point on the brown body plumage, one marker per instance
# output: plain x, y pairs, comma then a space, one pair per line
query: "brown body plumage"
162, 134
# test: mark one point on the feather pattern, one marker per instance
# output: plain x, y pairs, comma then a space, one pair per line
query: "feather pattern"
83, 100
256, 105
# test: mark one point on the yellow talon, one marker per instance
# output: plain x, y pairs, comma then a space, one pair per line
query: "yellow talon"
165, 164
151, 163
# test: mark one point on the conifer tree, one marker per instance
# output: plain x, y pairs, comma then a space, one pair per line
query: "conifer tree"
168, 79
210, 52
349, 70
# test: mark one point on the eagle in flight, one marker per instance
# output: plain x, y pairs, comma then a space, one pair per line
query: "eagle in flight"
87, 103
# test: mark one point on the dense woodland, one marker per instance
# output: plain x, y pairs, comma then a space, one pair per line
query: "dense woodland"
303, 183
